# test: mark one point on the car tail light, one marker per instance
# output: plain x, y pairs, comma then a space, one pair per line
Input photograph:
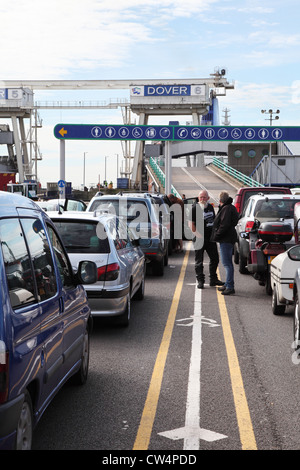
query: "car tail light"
237, 204
155, 230
109, 272
249, 225
4, 364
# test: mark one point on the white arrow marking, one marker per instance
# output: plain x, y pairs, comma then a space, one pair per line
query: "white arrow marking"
191, 432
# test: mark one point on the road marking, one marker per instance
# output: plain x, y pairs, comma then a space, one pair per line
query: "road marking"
145, 428
242, 411
192, 432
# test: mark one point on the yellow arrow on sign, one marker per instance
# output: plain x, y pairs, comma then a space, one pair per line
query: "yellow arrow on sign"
62, 132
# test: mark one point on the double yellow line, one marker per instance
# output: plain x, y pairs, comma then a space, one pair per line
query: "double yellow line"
242, 411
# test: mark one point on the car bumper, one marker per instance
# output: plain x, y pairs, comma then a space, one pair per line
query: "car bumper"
107, 302
9, 417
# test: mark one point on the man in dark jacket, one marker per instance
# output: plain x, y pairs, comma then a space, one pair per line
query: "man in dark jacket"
224, 233
202, 241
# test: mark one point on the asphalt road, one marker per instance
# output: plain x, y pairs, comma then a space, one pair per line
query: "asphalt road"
193, 371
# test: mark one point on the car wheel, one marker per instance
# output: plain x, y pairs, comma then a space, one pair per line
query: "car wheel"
139, 295
25, 425
297, 324
166, 257
268, 283
81, 376
236, 255
276, 309
158, 267
124, 318
242, 265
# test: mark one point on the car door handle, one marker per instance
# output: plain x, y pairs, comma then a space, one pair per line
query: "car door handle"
61, 305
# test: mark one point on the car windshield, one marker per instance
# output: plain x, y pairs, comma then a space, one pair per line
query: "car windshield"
131, 209
82, 236
275, 209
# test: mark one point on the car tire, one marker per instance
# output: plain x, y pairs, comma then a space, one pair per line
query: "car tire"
139, 295
242, 265
276, 309
268, 283
25, 425
236, 255
297, 324
158, 267
81, 376
166, 257
124, 318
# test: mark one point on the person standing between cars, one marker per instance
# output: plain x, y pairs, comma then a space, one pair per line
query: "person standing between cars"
209, 246
224, 233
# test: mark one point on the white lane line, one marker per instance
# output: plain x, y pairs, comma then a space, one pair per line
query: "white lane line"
191, 432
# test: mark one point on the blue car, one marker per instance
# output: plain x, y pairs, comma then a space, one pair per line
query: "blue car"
45, 319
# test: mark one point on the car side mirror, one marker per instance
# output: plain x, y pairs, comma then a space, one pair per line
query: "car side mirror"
244, 234
87, 272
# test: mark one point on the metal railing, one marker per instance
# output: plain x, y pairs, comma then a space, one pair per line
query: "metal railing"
246, 180
161, 176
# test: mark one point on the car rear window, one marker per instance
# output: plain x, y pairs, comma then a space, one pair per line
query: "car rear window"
131, 209
275, 209
81, 236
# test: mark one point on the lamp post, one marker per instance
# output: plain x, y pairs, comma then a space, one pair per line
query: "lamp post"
84, 169
105, 168
271, 119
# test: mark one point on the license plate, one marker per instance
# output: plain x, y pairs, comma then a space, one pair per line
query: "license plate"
270, 258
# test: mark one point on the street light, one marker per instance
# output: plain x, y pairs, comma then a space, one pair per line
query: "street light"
84, 169
105, 168
271, 119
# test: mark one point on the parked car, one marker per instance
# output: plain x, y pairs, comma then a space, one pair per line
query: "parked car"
273, 207
140, 213
45, 319
62, 204
296, 290
240, 201
243, 195
283, 268
106, 240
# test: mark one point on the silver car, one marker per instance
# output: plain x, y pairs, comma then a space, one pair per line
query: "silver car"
271, 207
106, 240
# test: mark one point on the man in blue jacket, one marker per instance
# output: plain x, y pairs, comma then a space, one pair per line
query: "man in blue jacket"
224, 233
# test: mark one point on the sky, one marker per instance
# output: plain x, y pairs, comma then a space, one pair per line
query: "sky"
257, 43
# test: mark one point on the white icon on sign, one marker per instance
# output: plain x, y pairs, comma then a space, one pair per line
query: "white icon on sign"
249, 133
236, 133
123, 132
165, 133
137, 132
150, 132
96, 132
195, 133
263, 133
277, 134
110, 132
182, 133
222, 133
209, 133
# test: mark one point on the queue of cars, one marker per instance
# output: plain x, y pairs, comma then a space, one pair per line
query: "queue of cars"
59, 269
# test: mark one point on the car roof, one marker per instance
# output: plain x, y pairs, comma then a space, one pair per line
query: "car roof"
274, 196
96, 216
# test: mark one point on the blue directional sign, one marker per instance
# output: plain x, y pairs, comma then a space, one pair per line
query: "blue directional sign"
112, 132
232, 133
178, 133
